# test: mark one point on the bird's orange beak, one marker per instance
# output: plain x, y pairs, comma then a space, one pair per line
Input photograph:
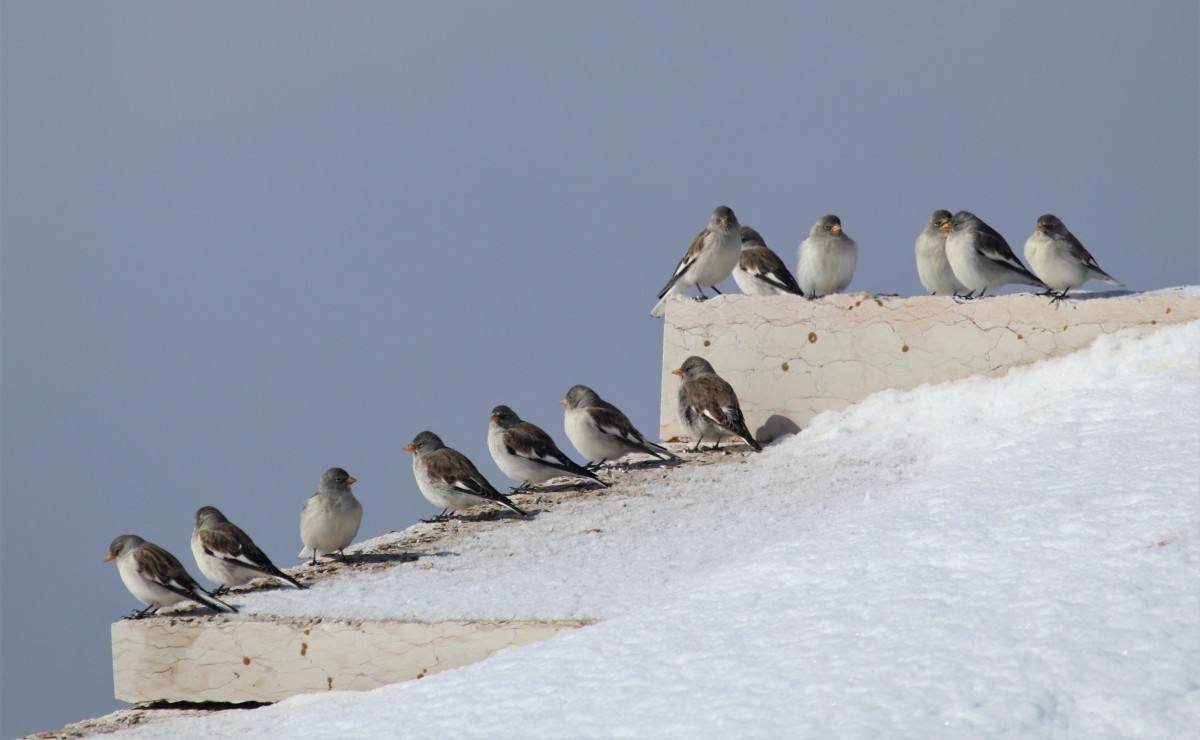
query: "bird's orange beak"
495, 418
411, 449
1041, 228
677, 371
109, 557
835, 228
946, 226
563, 401
723, 221
351, 481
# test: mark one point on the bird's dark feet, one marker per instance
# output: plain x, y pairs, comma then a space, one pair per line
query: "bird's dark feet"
1056, 297
219, 590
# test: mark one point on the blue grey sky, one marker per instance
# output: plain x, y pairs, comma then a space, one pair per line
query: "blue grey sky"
245, 242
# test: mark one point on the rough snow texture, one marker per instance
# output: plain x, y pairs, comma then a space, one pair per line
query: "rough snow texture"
1011, 557
790, 358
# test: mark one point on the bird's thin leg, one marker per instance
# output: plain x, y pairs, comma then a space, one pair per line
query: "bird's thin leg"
314, 560
143, 613
714, 288
1059, 296
219, 590
345, 559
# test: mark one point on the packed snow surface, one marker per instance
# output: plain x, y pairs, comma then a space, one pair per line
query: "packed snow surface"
1004, 557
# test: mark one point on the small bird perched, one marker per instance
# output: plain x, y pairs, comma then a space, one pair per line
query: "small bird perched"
827, 259
449, 480
708, 406
981, 259
600, 431
760, 271
1060, 260
713, 255
526, 454
156, 578
226, 555
932, 266
330, 518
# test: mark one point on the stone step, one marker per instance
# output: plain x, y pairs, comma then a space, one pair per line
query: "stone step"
238, 659
790, 358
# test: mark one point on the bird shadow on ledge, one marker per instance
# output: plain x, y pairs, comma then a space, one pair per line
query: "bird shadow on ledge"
776, 427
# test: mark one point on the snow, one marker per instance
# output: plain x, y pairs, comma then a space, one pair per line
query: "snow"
1005, 557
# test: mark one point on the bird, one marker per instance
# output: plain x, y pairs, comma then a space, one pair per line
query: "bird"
448, 479
760, 271
709, 260
708, 406
827, 258
330, 518
1060, 260
156, 578
932, 266
981, 259
601, 432
226, 555
527, 454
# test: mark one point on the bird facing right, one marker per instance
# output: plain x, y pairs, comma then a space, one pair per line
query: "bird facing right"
827, 259
331, 516
932, 266
981, 259
1060, 260
709, 260
601, 432
760, 271
708, 407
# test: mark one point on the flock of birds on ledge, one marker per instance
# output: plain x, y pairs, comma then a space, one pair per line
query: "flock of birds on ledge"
959, 256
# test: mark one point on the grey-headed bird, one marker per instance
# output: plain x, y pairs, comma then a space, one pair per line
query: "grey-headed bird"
708, 406
331, 516
932, 266
981, 259
827, 259
709, 260
156, 578
1060, 260
601, 432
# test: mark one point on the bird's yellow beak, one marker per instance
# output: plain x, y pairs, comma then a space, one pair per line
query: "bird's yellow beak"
351, 481
677, 371
410, 448
109, 557
946, 226
835, 228
563, 401
723, 221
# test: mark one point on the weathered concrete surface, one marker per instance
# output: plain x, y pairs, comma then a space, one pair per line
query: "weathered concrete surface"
789, 358
232, 659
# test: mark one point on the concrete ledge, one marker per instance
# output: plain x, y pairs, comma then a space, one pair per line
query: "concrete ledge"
216, 659
789, 358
